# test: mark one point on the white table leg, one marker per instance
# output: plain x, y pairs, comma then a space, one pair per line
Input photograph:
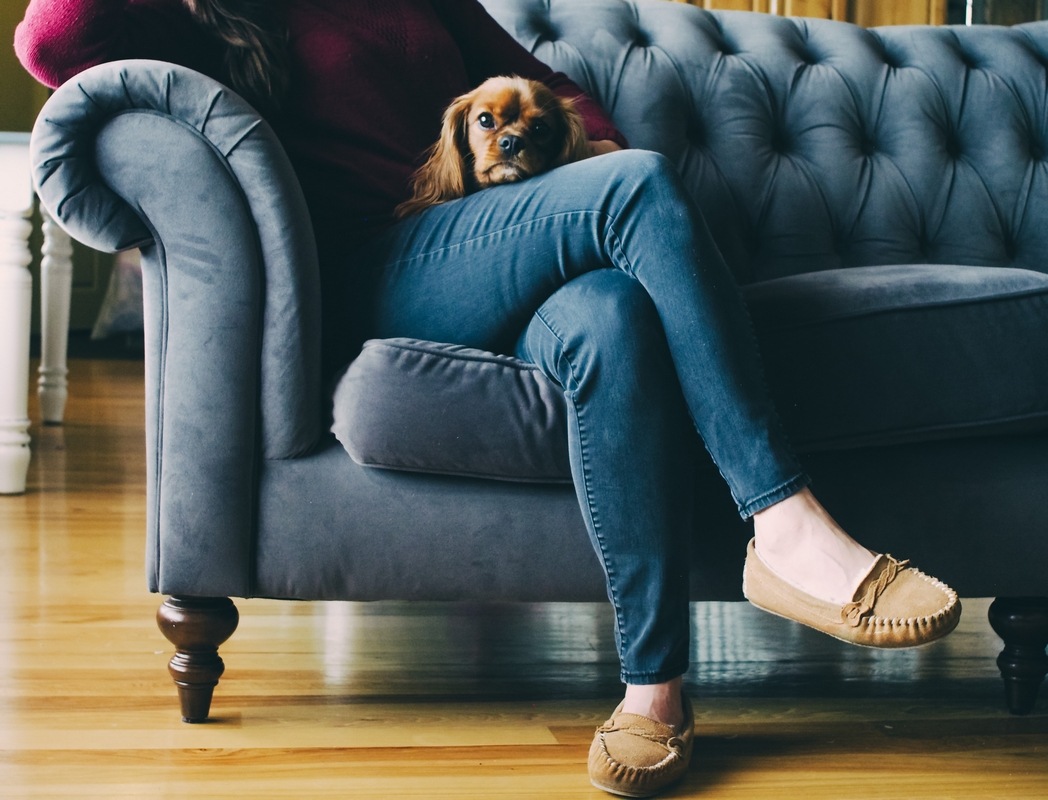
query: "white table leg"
16, 298
56, 280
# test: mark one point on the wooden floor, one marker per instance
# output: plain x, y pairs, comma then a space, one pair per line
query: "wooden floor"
400, 700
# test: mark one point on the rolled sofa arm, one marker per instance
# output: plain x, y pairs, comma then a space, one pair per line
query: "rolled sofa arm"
149, 154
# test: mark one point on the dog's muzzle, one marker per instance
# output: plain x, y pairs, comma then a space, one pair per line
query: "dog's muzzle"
510, 145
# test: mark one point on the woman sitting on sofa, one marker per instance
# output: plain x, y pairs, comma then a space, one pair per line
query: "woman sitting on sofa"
555, 269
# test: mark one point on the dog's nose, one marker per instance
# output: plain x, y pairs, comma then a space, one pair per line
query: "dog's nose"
511, 145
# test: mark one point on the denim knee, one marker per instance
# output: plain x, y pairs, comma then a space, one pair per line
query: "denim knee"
642, 165
602, 320
648, 177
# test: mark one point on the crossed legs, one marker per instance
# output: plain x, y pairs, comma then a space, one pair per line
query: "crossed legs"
603, 274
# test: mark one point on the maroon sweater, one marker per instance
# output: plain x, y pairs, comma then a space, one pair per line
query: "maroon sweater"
370, 80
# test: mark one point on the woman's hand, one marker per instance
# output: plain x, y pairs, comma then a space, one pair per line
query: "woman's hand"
602, 146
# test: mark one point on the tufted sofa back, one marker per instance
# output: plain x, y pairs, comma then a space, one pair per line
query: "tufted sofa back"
814, 145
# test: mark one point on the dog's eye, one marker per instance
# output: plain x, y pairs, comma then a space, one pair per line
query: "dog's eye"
540, 128
486, 120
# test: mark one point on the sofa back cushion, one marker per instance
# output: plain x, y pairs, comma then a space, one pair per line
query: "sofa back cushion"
814, 145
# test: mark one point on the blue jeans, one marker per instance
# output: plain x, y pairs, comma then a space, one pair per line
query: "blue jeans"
604, 275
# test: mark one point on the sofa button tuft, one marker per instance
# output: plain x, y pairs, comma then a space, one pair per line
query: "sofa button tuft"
696, 133
968, 59
1011, 247
780, 142
891, 61
808, 58
543, 28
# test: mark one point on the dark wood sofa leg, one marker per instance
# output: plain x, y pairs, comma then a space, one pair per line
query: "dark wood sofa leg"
1022, 622
196, 626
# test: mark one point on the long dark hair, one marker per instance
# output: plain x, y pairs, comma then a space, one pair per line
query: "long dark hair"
255, 39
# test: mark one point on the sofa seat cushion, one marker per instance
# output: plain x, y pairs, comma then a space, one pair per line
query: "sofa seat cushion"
885, 355
854, 357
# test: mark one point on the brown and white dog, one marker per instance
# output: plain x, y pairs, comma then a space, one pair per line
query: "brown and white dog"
505, 130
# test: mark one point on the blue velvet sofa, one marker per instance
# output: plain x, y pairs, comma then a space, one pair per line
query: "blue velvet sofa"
882, 196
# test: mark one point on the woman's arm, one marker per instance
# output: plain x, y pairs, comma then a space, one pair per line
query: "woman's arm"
488, 49
60, 38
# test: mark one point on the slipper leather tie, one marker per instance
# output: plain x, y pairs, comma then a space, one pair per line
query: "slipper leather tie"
895, 605
633, 756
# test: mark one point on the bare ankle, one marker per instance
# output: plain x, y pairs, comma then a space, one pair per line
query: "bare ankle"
800, 540
662, 702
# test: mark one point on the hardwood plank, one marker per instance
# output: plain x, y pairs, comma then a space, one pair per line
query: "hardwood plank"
434, 700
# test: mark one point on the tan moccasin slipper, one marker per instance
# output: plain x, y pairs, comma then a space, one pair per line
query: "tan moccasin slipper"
894, 606
633, 756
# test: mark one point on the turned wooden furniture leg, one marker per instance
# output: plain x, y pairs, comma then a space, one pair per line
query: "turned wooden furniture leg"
56, 282
16, 298
196, 626
1022, 622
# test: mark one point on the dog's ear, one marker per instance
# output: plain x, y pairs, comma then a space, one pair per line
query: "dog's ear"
445, 175
576, 144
